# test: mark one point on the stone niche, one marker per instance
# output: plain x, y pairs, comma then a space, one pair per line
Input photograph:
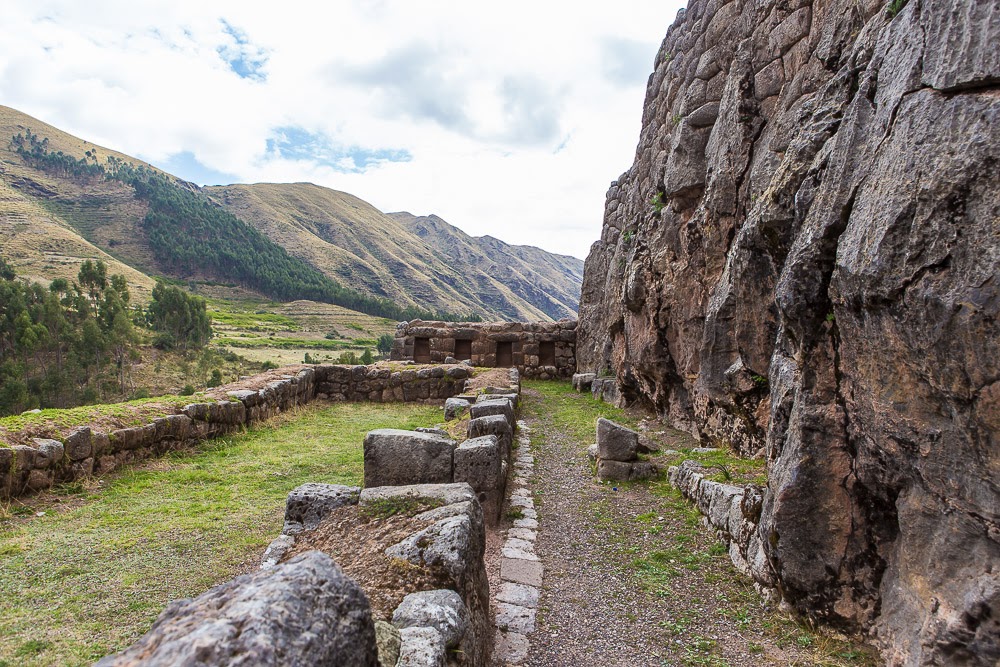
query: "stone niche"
537, 349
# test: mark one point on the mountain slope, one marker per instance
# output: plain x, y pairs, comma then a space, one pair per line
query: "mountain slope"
329, 232
392, 256
547, 281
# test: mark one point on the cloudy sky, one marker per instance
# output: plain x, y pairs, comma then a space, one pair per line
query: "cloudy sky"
509, 119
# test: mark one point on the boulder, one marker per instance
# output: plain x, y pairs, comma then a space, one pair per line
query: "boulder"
394, 457
303, 612
582, 382
615, 442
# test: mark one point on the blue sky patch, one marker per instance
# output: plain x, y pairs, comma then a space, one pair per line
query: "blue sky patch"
185, 165
245, 59
295, 143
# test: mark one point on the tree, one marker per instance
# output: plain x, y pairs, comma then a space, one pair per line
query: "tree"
384, 345
366, 357
180, 319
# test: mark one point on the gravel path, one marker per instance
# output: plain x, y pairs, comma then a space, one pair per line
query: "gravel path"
632, 578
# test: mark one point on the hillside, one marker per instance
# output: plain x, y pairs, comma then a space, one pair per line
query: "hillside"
350, 240
547, 281
286, 241
803, 262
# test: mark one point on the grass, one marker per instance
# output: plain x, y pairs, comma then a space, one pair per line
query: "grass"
128, 414
92, 574
576, 414
383, 508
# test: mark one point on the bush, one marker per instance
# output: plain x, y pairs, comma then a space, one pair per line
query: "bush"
187, 390
216, 378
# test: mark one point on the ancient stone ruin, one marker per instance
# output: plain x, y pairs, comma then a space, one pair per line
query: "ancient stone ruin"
422, 505
802, 263
537, 349
85, 451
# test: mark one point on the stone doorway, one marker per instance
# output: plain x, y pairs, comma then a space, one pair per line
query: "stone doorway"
422, 350
547, 353
463, 349
505, 354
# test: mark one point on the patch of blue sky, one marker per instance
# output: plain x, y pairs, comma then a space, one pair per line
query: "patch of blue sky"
296, 143
245, 59
185, 165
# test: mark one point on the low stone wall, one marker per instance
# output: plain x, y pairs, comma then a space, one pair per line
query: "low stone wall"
86, 451
734, 513
381, 385
447, 626
396, 457
541, 350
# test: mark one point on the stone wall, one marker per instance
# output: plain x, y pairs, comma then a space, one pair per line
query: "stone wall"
86, 451
537, 349
395, 457
803, 260
733, 512
306, 611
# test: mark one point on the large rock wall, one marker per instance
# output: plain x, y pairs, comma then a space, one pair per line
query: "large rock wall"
804, 260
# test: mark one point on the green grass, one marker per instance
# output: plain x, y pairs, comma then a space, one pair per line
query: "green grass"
129, 412
252, 342
92, 574
254, 321
576, 414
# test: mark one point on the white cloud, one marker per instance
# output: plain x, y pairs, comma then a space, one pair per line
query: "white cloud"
514, 117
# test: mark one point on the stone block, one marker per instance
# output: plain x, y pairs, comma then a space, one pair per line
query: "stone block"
494, 425
308, 504
477, 461
486, 408
303, 612
583, 381
642, 470
388, 640
617, 471
615, 442
441, 494
442, 610
394, 457
527, 572
454, 408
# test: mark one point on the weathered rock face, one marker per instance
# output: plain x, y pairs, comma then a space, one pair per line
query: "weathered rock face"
303, 612
805, 258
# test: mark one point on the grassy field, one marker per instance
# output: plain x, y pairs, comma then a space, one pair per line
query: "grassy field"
283, 333
85, 570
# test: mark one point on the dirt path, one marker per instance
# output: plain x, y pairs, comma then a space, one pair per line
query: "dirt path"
632, 578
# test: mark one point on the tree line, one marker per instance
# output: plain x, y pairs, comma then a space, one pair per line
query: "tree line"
75, 342
191, 234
